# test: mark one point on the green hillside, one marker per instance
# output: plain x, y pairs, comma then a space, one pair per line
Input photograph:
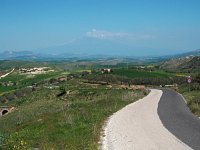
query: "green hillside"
44, 120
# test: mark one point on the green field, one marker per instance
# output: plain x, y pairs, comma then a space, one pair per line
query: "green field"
132, 73
24, 80
4, 89
72, 121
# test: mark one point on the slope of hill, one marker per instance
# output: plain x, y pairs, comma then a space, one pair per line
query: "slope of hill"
188, 63
191, 53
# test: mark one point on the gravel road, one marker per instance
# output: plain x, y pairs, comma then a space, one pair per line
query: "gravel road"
138, 127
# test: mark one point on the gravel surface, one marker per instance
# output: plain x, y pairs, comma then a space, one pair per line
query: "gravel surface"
138, 127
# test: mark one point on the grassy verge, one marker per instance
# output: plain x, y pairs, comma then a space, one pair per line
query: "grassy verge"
192, 98
73, 121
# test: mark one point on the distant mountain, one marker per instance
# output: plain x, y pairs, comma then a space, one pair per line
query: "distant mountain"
191, 53
87, 46
16, 54
29, 55
22, 55
74, 54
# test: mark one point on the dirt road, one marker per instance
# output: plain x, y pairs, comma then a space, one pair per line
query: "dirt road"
3, 76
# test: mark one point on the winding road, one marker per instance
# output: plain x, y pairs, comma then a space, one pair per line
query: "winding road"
177, 118
159, 121
3, 76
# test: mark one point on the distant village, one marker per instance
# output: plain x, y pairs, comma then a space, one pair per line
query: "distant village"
35, 70
106, 70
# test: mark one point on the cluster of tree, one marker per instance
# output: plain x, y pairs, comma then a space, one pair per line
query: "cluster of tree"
158, 81
109, 78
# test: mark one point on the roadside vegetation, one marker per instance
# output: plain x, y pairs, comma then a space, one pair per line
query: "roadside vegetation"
187, 66
192, 95
73, 120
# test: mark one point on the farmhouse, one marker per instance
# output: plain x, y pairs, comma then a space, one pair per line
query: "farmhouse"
106, 70
62, 79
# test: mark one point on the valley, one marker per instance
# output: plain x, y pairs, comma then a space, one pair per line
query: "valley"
65, 106
99, 75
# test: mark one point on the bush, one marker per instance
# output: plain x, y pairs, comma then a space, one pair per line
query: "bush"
62, 91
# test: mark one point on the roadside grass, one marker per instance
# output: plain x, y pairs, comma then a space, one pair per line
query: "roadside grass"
192, 98
73, 121
132, 73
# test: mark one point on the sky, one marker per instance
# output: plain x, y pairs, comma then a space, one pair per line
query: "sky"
165, 25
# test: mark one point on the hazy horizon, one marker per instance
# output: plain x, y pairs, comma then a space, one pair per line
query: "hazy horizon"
100, 27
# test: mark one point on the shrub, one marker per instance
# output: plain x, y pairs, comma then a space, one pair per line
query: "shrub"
62, 91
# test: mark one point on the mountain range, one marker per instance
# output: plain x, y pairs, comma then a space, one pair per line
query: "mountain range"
90, 47
94, 46
46, 54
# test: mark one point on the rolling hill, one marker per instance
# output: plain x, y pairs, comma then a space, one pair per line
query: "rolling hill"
188, 63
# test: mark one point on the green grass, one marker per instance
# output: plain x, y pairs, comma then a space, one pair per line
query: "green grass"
13, 77
192, 98
131, 73
39, 77
74, 121
4, 89
23, 80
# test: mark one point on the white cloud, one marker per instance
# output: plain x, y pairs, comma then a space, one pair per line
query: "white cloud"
103, 34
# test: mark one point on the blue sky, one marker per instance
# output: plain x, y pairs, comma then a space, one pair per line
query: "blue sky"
172, 25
